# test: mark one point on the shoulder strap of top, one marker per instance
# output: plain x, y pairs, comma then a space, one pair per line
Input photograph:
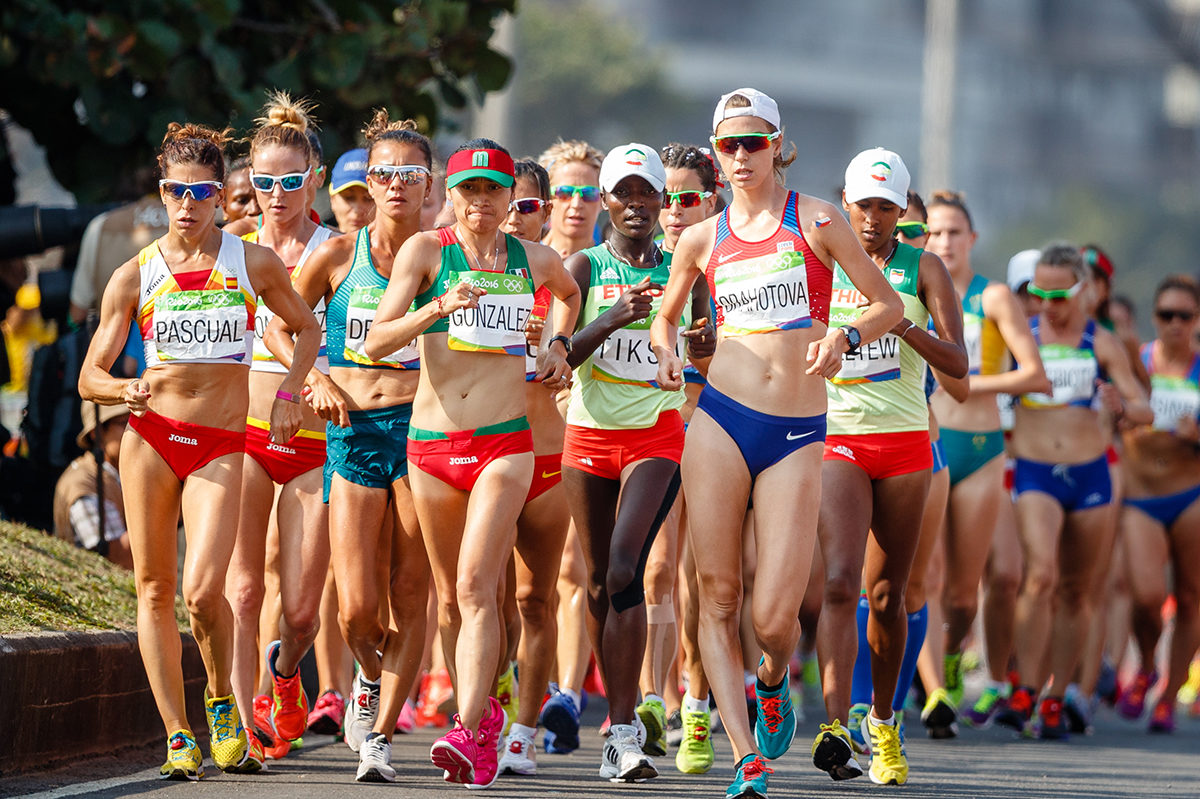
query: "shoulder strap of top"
1088, 341
722, 228
148, 253
1034, 328
1146, 353
446, 236
1194, 372
518, 261
362, 249
251, 237
791, 214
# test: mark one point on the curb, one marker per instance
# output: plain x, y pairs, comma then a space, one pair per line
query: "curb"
71, 694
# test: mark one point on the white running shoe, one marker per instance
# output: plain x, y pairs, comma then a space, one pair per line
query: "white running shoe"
519, 755
361, 713
623, 759
375, 761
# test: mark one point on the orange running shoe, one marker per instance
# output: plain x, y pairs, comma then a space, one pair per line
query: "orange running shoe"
289, 705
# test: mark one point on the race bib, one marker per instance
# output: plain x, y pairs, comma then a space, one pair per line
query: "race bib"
262, 318
1171, 399
498, 324
762, 294
625, 356
360, 313
1073, 374
874, 362
200, 325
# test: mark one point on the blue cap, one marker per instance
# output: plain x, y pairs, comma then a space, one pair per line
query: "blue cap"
350, 170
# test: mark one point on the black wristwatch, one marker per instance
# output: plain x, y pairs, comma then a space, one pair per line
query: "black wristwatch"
853, 339
566, 342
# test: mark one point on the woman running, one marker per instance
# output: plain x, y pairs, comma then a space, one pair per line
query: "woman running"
470, 291
971, 437
542, 525
767, 260
192, 294
1161, 518
367, 400
1065, 515
280, 482
878, 461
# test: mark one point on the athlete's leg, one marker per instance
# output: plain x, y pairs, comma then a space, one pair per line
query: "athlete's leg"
303, 563
335, 664
661, 635
356, 527
244, 584
689, 607
1185, 555
574, 647
974, 503
1001, 587
1039, 523
1147, 551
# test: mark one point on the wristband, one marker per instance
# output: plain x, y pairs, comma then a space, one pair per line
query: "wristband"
911, 325
441, 315
287, 395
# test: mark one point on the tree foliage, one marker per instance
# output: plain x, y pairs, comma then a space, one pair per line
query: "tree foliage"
97, 82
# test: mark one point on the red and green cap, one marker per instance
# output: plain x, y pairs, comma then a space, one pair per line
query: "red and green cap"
494, 165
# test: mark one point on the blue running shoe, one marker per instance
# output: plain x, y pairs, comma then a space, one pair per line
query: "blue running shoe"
561, 717
854, 726
776, 719
749, 779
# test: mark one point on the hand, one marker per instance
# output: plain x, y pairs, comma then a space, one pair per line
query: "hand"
326, 398
1187, 429
825, 355
286, 417
634, 304
553, 370
136, 396
464, 295
670, 369
1110, 399
533, 331
701, 339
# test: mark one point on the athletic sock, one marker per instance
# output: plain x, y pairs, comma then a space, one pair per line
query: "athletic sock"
860, 685
918, 623
693, 705
574, 696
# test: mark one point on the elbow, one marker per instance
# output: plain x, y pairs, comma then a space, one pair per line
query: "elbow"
960, 367
895, 310
371, 346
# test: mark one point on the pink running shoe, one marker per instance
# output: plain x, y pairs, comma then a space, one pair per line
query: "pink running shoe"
456, 753
1132, 703
490, 739
326, 716
407, 720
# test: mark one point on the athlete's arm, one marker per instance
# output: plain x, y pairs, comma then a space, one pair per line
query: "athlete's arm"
634, 304
117, 308
945, 352
702, 334
273, 284
1029, 377
835, 238
693, 244
1131, 407
415, 266
554, 368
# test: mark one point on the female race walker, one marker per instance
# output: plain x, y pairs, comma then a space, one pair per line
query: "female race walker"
282, 161
470, 451
878, 462
368, 403
1161, 516
192, 294
767, 260
1065, 515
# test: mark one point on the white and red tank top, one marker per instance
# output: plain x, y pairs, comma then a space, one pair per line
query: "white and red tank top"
777, 283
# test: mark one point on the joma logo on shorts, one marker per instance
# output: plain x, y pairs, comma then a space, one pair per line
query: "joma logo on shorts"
464, 461
278, 448
182, 439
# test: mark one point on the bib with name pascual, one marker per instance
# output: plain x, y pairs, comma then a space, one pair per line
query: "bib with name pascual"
200, 325
498, 324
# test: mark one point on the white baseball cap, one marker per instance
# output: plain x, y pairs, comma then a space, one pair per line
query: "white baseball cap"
1021, 267
761, 106
877, 173
632, 159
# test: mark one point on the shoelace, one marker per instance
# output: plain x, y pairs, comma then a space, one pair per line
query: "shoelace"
327, 701
368, 701
223, 720
377, 745
885, 740
772, 716
179, 741
755, 769
835, 727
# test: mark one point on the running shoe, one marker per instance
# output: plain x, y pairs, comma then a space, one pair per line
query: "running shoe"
675, 728
406, 722
1018, 712
364, 708
775, 724
489, 739
227, 742
1052, 722
1078, 711
833, 753
506, 694
1106, 682
654, 716
854, 726
952, 677
979, 715
1162, 718
440, 690
520, 755
749, 779
1132, 703
326, 716
695, 755
889, 766
263, 728
375, 760
561, 717
184, 761
940, 715
456, 753
256, 758
623, 759
289, 705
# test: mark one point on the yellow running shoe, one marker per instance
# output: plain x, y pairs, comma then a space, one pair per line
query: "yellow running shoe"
889, 766
226, 737
833, 752
507, 695
184, 761
695, 755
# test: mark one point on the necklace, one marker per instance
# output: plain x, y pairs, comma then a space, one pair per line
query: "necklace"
478, 260
627, 262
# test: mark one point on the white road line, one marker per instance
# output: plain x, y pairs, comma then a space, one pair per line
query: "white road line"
149, 775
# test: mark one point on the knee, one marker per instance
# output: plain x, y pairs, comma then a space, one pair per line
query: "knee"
775, 631
246, 596
157, 595
625, 588
536, 611
720, 600
204, 603
887, 600
474, 592
409, 599
449, 615
1040, 581
1004, 584
842, 589
301, 618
